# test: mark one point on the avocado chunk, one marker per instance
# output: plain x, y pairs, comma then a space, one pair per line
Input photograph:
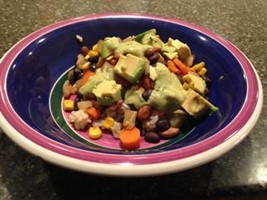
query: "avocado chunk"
168, 93
149, 37
170, 56
183, 49
106, 73
132, 47
177, 118
107, 92
108, 46
196, 105
195, 82
141, 36
152, 73
130, 67
155, 41
168, 48
169, 51
135, 98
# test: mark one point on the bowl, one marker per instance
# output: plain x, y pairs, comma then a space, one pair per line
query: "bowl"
30, 97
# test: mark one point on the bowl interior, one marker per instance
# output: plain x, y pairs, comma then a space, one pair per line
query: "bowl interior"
39, 65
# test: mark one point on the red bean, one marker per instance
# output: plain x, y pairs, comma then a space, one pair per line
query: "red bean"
149, 52
169, 133
143, 112
147, 83
85, 50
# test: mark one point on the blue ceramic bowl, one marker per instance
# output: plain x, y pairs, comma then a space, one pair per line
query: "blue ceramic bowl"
31, 80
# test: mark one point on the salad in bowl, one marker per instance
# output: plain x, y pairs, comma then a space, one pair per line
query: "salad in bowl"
138, 86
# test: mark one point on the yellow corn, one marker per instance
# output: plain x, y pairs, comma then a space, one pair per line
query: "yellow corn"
68, 105
95, 132
198, 66
95, 47
203, 71
93, 53
108, 122
109, 58
87, 57
186, 86
192, 85
85, 66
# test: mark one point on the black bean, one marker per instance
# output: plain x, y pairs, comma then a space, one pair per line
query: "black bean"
162, 124
92, 67
77, 74
76, 100
71, 77
147, 94
152, 137
79, 96
138, 124
93, 59
122, 81
154, 58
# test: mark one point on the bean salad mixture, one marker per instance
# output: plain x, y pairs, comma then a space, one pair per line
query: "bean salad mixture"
135, 87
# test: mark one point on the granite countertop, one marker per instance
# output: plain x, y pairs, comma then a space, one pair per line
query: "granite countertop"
239, 174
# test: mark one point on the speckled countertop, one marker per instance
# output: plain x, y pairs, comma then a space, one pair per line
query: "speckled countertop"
239, 174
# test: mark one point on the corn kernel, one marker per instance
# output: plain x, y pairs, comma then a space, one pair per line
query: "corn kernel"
198, 66
108, 123
95, 47
186, 86
85, 66
95, 132
87, 57
68, 105
109, 58
192, 85
203, 71
93, 53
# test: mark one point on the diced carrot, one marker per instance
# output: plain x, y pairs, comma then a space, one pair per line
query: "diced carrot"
183, 68
87, 74
172, 67
130, 139
94, 113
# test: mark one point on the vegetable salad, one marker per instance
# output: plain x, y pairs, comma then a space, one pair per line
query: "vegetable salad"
134, 87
